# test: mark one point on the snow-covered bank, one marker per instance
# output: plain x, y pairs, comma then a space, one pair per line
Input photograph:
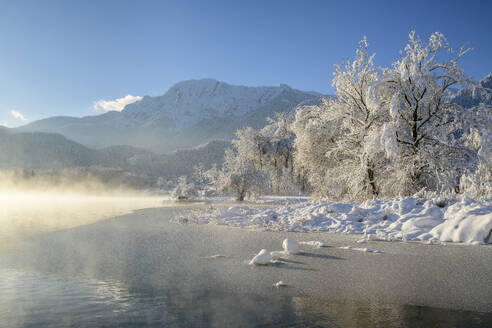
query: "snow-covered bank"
403, 218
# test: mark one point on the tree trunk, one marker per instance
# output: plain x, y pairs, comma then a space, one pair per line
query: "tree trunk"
370, 175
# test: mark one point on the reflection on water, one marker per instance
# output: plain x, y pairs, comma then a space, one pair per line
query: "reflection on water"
24, 214
358, 314
41, 300
30, 299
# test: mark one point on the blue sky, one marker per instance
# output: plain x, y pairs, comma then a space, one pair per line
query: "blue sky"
60, 57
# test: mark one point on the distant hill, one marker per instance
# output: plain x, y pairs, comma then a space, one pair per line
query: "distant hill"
40, 150
190, 113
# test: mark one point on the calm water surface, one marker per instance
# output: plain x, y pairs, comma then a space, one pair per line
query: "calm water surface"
33, 293
30, 299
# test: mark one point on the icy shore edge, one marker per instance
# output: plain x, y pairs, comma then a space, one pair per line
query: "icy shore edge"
463, 220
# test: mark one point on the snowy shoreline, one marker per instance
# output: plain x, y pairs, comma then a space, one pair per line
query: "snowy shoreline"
463, 220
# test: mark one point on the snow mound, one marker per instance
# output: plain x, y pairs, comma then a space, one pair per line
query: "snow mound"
465, 222
262, 258
280, 284
314, 243
290, 246
396, 219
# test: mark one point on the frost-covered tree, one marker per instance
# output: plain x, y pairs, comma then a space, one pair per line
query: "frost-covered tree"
477, 134
478, 183
277, 151
337, 141
250, 144
270, 153
199, 174
360, 110
278, 141
239, 175
386, 132
316, 133
212, 175
420, 136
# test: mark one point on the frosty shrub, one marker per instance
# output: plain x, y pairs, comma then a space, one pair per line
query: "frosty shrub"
183, 189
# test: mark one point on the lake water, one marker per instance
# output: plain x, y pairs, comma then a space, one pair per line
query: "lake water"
73, 269
30, 299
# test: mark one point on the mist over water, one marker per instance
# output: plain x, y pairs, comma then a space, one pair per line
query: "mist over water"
26, 213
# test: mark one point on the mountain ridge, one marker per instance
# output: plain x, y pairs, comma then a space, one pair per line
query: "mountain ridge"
41, 151
191, 112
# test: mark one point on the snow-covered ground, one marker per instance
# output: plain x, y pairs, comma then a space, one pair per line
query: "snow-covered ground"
397, 219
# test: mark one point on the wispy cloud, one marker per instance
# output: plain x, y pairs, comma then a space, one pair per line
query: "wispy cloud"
117, 104
18, 115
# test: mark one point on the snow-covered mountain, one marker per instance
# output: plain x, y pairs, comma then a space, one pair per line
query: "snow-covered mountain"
189, 102
188, 114
479, 94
